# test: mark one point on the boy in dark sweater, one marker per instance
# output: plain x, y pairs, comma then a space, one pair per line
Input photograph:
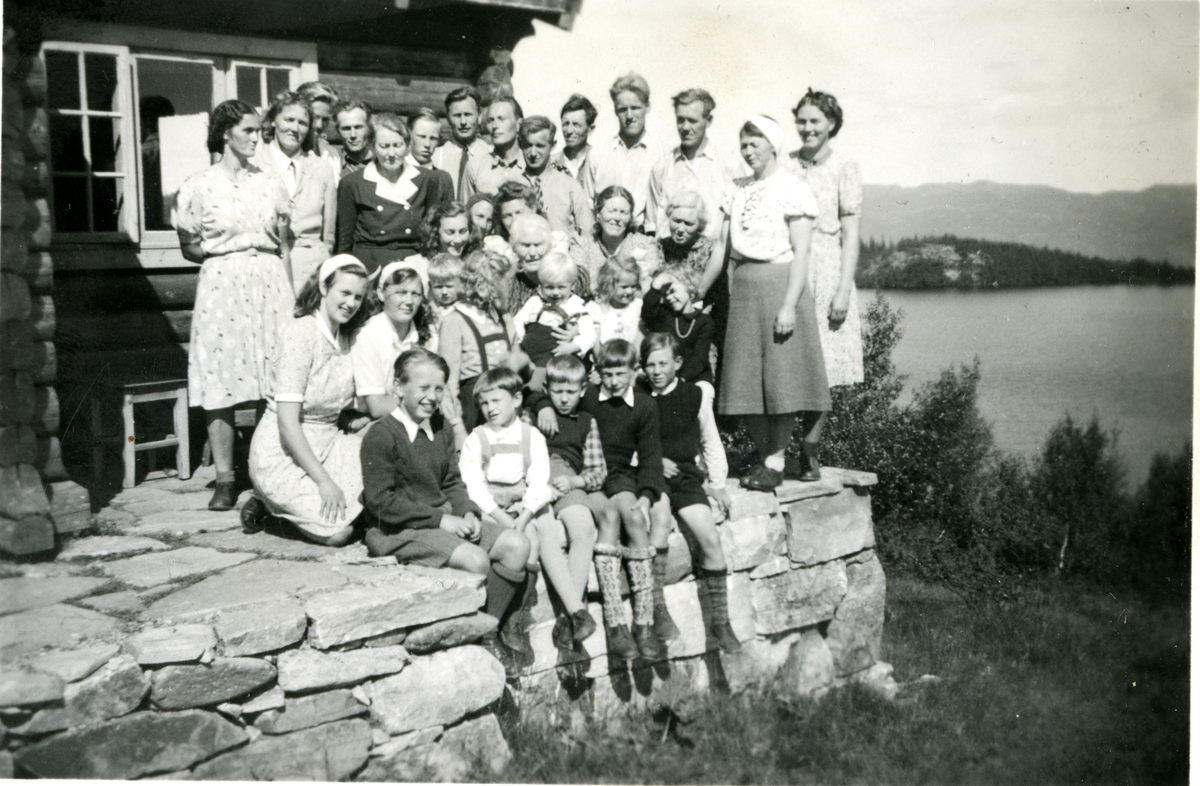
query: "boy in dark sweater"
628, 424
417, 506
688, 431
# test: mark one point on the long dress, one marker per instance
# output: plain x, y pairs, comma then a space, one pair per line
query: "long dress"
836, 182
315, 370
762, 374
242, 295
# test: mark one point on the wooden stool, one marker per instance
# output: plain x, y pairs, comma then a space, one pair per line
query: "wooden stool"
138, 393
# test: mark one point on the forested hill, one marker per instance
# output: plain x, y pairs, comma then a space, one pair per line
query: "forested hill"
1154, 223
950, 262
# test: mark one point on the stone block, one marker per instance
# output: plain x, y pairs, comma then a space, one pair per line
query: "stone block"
798, 598
106, 546
74, 665
261, 581
306, 670
124, 602
270, 699
390, 746
437, 690
879, 680
853, 477
150, 570
184, 522
679, 558
32, 593
21, 491
360, 612
23, 688
264, 545
116, 689
225, 679
308, 711
176, 644
56, 626
30, 535
759, 661
772, 567
453, 632
332, 752
825, 528
809, 666
749, 542
855, 633
429, 763
139, 744
261, 628
393, 639
793, 490
746, 504
479, 740
70, 503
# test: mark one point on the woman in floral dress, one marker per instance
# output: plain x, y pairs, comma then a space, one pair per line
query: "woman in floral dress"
613, 238
230, 218
836, 182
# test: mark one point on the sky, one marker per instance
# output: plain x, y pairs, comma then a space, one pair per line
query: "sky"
1084, 95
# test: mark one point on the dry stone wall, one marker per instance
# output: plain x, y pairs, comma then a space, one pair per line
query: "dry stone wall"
173, 645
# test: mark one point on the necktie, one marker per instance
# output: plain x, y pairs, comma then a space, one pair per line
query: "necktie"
462, 180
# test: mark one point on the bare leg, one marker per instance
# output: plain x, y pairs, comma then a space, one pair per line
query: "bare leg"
554, 562
632, 521
581, 538
699, 520
219, 423
470, 558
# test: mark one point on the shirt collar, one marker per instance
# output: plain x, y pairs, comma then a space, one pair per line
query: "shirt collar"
619, 144
627, 397
281, 159
819, 158
399, 192
511, 429
706, 151
411, 427
667, 390
513, 159
330, 335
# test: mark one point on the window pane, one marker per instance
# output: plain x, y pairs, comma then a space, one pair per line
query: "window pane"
70, 204
278, 81
106, 205
248, 89
167, 88
62, 79
105, 132
66, 145
101, 73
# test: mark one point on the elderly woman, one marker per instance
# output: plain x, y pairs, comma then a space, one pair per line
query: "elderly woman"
288, 152
836, 182
687, 253
382, 207
774, 372
230, 218
613, 237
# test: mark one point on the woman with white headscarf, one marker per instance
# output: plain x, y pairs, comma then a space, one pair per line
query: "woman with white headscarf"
774, 372
305, 469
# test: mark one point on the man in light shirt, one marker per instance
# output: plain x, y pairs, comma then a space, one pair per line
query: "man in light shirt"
692, 166
353, 126
465, 147
626, 159
578, 118
323, 99
505, 162
562, 198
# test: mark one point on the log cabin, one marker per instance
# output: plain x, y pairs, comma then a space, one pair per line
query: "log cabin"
105, 105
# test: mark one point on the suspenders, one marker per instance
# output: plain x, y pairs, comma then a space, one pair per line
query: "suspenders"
487, 449
482, 341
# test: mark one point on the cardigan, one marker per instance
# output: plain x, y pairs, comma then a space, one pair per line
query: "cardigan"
694, 334
364, 217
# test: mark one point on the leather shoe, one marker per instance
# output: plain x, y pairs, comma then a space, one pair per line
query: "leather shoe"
582, 625
224, 497
254, 515
726, 639
664, 627
562, 636
620, 645
762, 478
811, 464
649, 645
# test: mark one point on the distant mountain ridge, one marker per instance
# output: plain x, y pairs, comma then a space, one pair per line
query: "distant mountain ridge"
1154, 224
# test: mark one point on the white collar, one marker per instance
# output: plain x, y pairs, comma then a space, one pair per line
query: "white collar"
505, 431
281, 159
706, 151
627, 397
323, 327
399, 192
667, 390
619, 143
411, 426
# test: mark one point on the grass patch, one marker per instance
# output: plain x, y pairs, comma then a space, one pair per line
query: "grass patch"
1037, 688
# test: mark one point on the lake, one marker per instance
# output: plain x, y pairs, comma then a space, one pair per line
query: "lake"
1123, 353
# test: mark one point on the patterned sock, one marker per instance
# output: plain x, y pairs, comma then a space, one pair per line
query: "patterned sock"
608, 571
641, 585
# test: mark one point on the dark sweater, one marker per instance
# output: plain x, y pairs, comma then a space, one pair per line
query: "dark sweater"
406, 484
568, 443
694, 334
625, 431
679, 422
365, 218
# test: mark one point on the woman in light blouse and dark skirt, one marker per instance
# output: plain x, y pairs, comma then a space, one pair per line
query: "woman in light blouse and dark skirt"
230, 218
774, 371
382, 207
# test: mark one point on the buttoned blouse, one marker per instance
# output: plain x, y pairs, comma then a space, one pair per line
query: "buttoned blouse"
836, 182
759, 212
227, 214
374, 211
314, 370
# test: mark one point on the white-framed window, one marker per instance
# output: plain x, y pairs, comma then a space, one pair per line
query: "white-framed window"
129, 124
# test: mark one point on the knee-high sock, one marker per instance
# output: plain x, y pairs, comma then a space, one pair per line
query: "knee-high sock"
641, 584
718, 596
608, 573
503, 584
660, 576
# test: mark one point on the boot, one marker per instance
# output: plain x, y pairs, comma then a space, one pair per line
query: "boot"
608, 567
664, 627
582, 625
254, 515
224, 496
810, 461
563, 635
505, 588
525, 613
718, 604
641, 584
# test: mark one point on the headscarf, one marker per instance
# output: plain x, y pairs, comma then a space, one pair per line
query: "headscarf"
417, 264
337, 262
769, 128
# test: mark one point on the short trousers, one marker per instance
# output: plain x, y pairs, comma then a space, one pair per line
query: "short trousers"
687, 488
615, 483
433, 547
559, 468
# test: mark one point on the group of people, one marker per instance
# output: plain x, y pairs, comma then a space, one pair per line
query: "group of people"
485, 354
